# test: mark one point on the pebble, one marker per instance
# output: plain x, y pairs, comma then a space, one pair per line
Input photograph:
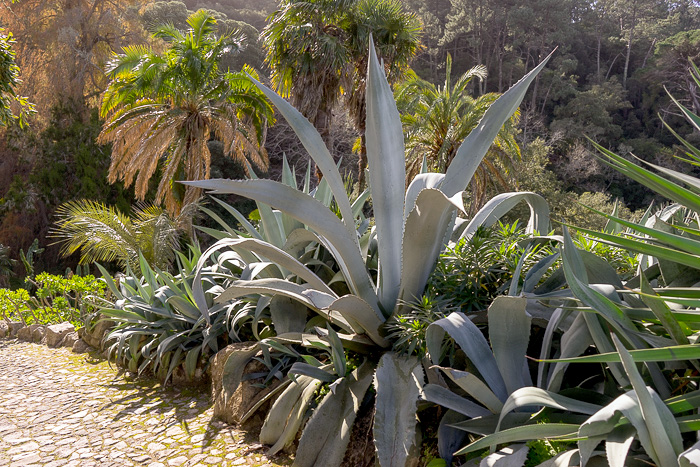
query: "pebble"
58, 409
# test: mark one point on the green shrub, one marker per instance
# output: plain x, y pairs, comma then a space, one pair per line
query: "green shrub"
56, 299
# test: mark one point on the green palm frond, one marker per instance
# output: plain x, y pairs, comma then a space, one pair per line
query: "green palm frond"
104, 234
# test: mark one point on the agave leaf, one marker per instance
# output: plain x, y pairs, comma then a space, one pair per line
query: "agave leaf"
662, 312
663, 430
326, 436
317, 150
662, 354
287, 315
690, 457
361, 317
286, 414
387, 173
522, 433
240, 218
529, 396
565, 459
300, 368
511, 456
418, 184
446, 398
472, 343
339, 240
423, 239
501, 204
398, 381
574, 342
509, 333
474, 148
450, 438
617, 444
475, 388
190, 312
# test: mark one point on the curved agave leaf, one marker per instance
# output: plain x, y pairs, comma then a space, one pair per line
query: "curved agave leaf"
450, 438
474, 148
663, 430
472, 343
326, 436
287, 315
387, 174
446, 398
574, 342
509, 333
342, 242
475, 388
398, 381
690, 457
418, 184
617, 444
530, 396
423, 239
317, 150
285, 416
501, 204
511, 456
361, 317
522, 433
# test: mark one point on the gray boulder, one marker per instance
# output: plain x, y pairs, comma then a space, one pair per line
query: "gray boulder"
24, 334
80, 346
230, 407
38, 332
69, 340
15, 327
95, 336
56, 332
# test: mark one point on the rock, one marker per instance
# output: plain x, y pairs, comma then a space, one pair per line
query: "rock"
4, 330
24, 334
38, 332
69, 339
15, 327
246, 395
179, 378
95, 336
55, 333
80, 346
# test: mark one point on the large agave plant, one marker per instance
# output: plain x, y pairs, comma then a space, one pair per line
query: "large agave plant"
410, 229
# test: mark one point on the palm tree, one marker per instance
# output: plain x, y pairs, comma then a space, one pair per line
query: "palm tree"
165, 108
103, 233
317, 50
437, 119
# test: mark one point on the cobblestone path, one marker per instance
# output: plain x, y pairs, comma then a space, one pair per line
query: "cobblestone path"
62, 409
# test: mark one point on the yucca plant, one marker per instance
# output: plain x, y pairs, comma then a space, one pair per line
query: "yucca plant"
410, 229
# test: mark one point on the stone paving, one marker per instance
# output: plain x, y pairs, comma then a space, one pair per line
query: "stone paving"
61, 409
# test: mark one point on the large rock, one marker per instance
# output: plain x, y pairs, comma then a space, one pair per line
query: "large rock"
24, 334
247, 394
15, 327
56, 332
4, 330
38, 332
95, 336
80, 346
69, 340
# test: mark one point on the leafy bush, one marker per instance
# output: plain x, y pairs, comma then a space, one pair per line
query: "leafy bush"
55, 299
